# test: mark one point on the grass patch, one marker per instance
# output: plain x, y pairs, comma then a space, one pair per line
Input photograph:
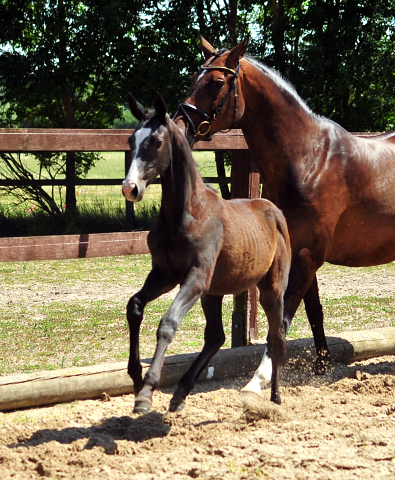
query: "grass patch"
62, 313
101, 208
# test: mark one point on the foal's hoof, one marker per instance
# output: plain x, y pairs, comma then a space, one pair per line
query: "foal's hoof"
176, 405
142, 406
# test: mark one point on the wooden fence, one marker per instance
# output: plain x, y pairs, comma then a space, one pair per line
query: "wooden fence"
244, 184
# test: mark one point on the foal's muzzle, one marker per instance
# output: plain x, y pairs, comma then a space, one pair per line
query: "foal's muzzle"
132, 192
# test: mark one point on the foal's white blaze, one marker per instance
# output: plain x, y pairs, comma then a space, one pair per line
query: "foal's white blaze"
261, 377
134, 176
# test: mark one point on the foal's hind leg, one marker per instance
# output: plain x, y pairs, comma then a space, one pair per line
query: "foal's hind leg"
214, 338
273, 304
155, 285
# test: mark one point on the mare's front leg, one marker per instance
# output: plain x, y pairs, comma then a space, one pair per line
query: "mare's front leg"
155, 285
214, 338
303, 284
187, 296
316, 319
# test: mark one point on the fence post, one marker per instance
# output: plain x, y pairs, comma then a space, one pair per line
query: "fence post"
130, 216
245, 184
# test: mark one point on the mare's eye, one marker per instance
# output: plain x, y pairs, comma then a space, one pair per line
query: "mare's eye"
219, 84
159, 142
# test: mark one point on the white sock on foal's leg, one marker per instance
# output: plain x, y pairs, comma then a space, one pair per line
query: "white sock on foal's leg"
261, 377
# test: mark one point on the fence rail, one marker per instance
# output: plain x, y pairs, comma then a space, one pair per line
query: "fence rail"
244, 179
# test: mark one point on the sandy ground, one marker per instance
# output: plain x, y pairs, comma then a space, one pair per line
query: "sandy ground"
338, 426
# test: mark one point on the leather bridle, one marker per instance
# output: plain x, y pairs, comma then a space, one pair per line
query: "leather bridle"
209, 119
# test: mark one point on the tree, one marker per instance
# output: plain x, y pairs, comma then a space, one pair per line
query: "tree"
61, 65
339, 54
346, 62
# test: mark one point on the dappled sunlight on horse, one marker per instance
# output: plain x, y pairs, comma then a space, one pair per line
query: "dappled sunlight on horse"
209, 246
336, 190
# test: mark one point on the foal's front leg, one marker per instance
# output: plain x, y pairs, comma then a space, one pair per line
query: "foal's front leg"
187, 296
214, 338
155, 285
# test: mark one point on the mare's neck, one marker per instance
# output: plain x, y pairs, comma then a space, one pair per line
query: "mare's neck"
181, 182
277, 125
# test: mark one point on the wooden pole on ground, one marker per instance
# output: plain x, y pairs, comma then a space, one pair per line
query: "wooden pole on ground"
45, 388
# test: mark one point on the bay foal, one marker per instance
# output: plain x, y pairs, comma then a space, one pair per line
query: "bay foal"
208, 246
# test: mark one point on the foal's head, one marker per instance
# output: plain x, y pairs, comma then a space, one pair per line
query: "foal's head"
150, 146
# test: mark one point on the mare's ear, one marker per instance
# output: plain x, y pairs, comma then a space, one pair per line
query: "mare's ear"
207, 49
237, 53
137, 110
160, 107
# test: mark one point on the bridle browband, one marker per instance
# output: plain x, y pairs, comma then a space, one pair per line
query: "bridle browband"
208, 119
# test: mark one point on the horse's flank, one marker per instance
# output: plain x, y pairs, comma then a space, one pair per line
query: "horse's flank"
336, 190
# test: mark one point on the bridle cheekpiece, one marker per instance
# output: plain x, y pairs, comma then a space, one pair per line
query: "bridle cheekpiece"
209, 119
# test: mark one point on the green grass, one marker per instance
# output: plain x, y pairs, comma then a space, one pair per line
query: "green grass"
62, 313
88, 324
101, 207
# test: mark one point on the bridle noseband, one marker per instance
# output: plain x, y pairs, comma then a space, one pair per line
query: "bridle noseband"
208, 120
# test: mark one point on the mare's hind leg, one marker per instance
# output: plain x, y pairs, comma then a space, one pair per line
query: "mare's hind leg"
155, 285
303, 285
214, 338
316, 318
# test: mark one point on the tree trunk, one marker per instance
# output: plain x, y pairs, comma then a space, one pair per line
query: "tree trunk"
224, 187
232, 24
67, 101
278, 34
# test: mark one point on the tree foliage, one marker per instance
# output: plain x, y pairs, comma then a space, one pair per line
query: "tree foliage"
70, 63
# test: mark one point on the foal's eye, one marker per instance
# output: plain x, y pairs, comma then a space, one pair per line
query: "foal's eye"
159, 142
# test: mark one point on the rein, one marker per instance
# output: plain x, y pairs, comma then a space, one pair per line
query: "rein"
209, 119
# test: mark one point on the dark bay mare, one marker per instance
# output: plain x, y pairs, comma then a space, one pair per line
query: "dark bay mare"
208, 246
336, 190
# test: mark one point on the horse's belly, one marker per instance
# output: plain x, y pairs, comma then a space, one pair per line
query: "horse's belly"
241, 264
363, 241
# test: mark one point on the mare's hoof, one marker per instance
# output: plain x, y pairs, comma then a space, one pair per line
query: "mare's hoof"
275, 398
322, 364
142, 406
176, 405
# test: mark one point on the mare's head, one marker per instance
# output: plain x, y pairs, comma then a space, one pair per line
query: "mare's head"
150, 146
214, 101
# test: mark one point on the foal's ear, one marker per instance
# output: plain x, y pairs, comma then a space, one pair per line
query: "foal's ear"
137, 110
207, 49
237, 53
160, 107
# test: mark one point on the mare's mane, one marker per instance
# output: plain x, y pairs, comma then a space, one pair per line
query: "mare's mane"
281, 83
